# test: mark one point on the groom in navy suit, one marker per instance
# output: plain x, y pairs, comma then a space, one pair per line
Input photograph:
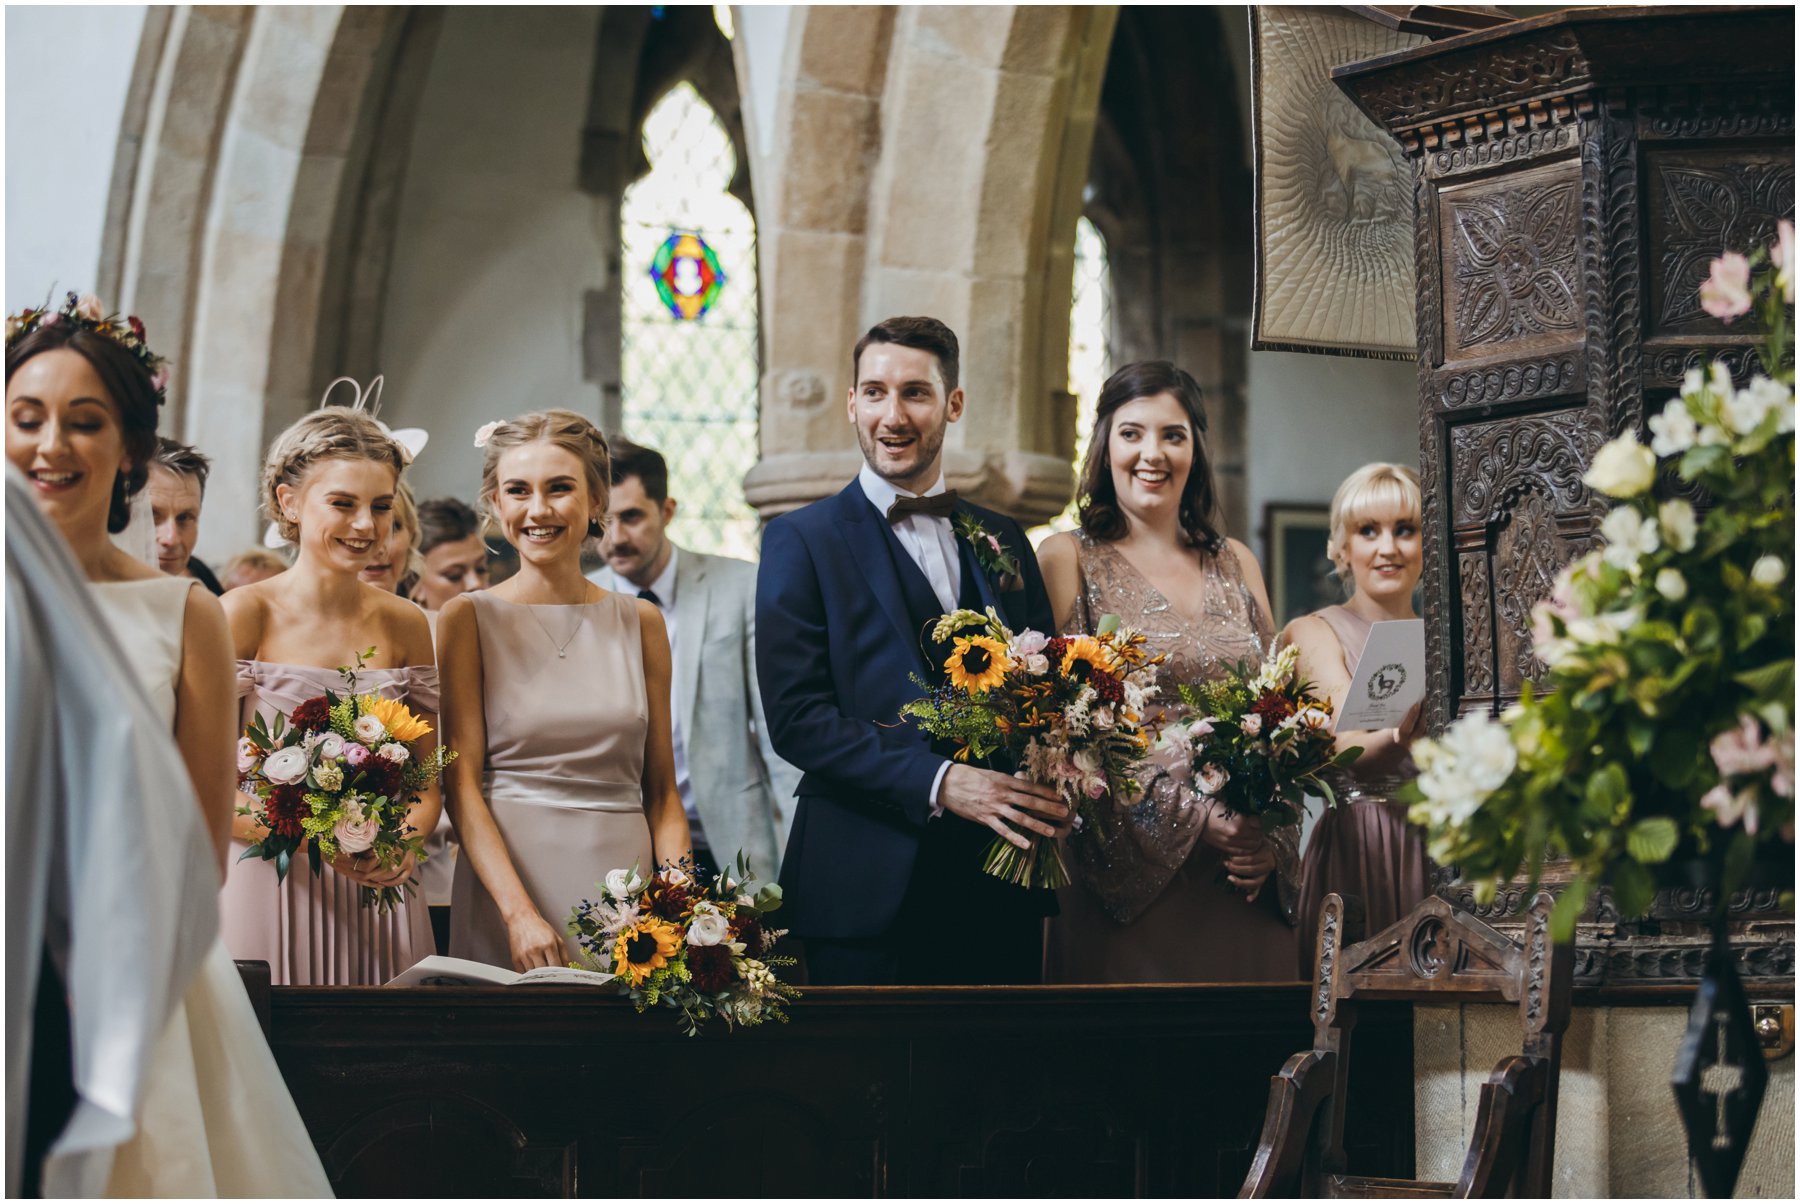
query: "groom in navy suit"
883, 876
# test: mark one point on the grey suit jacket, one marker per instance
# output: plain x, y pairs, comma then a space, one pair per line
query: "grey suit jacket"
743, 792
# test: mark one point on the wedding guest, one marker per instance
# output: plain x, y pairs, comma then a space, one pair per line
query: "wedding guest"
884, 861
329, 484
1173, 888
1364, 846
738, 794
177, 487
556, 698
249, 567
395, 564
456, 556
82, 406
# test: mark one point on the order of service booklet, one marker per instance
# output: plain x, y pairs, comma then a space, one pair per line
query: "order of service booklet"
1389, 678
435, 971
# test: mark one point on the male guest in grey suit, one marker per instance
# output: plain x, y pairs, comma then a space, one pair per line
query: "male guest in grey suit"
739, 795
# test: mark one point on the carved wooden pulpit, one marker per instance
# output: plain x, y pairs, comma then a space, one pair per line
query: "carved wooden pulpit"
1575, 174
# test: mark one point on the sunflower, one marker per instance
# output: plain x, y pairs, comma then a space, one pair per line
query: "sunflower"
644, 948
977, 664
401, 724
1084, 656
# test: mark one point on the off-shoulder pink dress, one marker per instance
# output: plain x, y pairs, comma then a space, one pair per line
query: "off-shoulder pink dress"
314, 930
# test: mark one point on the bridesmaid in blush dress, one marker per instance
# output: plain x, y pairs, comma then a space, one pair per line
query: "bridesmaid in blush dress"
1364, 846
556, 694
1167, 886
329, 484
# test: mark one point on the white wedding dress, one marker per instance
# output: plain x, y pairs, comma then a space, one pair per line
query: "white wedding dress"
217, 1119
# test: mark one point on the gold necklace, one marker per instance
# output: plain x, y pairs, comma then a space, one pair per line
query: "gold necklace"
580, 618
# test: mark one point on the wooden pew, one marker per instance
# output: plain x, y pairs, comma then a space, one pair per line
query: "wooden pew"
1001, 1091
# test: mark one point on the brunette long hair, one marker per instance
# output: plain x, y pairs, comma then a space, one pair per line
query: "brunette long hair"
1098, 504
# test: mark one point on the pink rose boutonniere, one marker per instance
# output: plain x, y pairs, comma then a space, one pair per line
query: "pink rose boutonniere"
990, 553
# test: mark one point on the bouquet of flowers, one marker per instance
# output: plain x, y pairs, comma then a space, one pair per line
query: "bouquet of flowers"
336, 776
1666, 718
672, 941
1068, 710
1261, 743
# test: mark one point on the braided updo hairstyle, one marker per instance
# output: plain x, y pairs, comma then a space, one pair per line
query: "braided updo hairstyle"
565, 429
328, 433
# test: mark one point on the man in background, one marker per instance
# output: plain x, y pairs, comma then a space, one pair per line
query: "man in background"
738, 793
176, 488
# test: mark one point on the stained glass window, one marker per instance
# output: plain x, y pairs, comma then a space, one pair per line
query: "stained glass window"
1090, 351
690, 381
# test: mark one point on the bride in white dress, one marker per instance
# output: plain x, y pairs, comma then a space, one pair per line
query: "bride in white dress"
217, 1119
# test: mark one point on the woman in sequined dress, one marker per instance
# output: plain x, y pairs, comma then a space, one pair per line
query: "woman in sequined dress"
1167, 886
1364, 846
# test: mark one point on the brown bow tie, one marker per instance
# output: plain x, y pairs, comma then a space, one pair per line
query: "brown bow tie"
938, 505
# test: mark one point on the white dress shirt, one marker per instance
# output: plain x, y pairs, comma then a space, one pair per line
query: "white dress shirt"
931, 543
664, 589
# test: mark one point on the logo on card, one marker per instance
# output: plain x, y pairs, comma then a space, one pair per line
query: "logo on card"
1386, 682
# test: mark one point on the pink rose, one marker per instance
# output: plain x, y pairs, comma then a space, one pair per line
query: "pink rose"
1213, 778
160, 379
1096, 789
1199, 729
1029, 643
247, 753
51, 320
1782, 256
89, 308
1742, 750
357, 754
1726, 293
1252, 726
356, 835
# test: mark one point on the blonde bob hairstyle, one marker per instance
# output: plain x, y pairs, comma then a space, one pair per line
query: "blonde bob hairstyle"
562, 428
1372, 491
328, 433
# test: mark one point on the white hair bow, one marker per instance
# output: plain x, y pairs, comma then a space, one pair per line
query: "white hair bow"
412, 439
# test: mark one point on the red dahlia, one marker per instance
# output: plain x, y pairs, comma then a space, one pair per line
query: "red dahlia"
669, 900
711, 967
313, 715
745, 928
1108, 687
286, 808
1273, 708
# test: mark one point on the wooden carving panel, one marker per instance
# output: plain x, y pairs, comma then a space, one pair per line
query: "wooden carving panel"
1511, 274
1702, 203
1520, 512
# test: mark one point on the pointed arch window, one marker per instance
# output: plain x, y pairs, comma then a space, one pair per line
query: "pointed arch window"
689, 322
1090, 348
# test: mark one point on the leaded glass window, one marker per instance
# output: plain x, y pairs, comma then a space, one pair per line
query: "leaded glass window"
690, 382
1090, 351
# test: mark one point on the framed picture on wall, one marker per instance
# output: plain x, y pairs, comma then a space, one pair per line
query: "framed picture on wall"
1302, 578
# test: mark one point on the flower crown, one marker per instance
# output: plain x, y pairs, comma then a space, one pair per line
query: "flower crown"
87, 313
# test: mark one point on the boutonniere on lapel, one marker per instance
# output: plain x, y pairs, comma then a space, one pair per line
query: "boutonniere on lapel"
990, 553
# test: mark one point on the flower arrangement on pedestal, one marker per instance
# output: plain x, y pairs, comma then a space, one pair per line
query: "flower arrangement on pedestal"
1666, 717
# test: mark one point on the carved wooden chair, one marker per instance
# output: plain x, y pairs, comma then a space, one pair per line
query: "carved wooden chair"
1435, 954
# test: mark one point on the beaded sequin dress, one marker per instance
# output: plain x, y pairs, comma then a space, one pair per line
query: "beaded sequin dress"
1148, 902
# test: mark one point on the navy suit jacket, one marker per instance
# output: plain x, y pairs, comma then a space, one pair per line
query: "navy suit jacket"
836, 651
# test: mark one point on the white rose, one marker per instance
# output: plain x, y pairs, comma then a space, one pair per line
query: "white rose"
369, 729
1671, 585
285, 766
1251, 725
1769, 571
1674, 430
1629, 537
622, 884
1483, 750
356, 835
1623, 468
1037, 664
331, 745
1679, 525
1745, 409
708, 927
392, 751
247, 753
1212, 778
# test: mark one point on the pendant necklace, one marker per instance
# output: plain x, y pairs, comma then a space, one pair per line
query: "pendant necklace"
580, 618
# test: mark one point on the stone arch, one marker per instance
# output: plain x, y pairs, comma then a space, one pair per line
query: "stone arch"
252, 120
996, 104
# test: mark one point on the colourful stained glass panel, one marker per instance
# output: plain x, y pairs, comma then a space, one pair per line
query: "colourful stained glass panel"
687, 275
